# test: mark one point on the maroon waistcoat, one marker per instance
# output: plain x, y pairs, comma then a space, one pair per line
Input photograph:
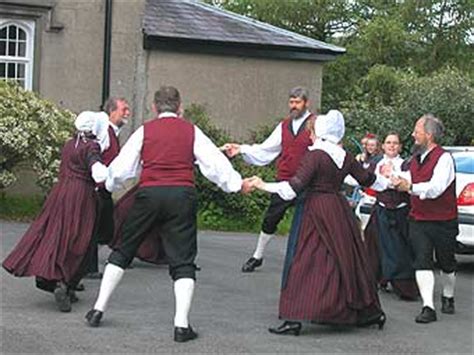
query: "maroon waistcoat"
114, 148
442, 208
167, 153
293, 147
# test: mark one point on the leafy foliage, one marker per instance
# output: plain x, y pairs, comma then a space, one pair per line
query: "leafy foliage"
31, 130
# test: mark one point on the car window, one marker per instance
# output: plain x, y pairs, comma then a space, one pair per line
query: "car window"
464, 164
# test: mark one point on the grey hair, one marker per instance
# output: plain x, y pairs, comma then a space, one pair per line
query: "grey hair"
300, 92
167, 99
111, 104
433, 125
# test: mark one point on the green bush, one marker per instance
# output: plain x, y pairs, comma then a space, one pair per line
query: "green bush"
222, 211
31, 130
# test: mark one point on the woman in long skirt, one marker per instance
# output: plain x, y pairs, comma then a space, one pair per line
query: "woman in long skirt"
386, 234
327, 278
151, 250
55, 246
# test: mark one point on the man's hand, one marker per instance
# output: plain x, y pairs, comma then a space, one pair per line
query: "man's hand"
400, 183
247, 186
231, 149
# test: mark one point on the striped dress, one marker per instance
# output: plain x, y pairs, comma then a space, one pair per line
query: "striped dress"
328, 279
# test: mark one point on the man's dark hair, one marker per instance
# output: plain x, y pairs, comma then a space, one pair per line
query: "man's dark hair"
111, 104
167, 99
300, 92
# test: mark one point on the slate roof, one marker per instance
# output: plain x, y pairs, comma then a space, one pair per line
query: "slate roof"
190, 20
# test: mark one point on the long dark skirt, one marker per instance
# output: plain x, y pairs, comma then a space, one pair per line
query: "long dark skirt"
54, 246
329, 280
386, 237
151, 250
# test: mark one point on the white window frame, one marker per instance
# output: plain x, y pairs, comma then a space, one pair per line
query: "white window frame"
28, 60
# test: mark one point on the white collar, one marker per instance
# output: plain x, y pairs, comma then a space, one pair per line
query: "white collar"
336, 153
168, 114
115, 128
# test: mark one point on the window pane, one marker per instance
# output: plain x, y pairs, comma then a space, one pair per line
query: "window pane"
22, 49
10, 70
11, 49
2, 69
20, 71
22, 34
12, 32
3, 47
3, 33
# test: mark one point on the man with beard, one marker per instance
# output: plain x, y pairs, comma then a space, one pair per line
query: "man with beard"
433, 215
118, 111
288, 141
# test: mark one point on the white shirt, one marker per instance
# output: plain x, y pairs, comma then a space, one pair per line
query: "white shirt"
115, 128
443, 176
266, 152
212, 163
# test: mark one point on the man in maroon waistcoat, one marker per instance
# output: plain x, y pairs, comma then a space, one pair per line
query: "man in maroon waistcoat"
431, 182
165, 149
118, 110
289, 141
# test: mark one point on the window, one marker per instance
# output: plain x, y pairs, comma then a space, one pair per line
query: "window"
16, 51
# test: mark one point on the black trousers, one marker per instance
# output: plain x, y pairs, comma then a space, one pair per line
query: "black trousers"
275, 213
104, 230
174, 210
437, 236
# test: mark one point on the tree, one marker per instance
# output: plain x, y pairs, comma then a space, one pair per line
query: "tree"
32, 131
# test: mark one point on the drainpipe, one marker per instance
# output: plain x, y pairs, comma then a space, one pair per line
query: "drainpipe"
107, 50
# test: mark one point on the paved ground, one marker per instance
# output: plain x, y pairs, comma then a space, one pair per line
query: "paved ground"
231, 311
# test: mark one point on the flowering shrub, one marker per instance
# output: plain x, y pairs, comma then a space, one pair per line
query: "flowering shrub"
32, 130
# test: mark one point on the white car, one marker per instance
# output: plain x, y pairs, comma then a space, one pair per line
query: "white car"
464, 162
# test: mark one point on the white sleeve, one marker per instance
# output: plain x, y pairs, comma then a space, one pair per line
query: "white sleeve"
214, 165
127, 164
443, 176
283, 189
264, 153
99, 172
381, 183
349, 180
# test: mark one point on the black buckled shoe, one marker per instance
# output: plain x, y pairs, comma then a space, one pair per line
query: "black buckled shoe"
427, 315
61, 296
447, 305
182, 335
79, 287
72, 296
287, 328
379, 319
94, 317
251, 264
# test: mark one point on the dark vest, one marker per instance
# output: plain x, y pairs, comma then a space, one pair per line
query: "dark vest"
167, 153
442, 208
114, 148
293, 147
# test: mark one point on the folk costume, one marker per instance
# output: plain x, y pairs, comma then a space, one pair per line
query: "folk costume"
166, 149
57, 245
288, 141
386, 237
326, 275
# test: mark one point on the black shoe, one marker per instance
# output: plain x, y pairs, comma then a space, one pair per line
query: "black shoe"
72, 296
251, 264
447, 305
182, 335
79, 287
94, 275
94, 317
287, 328
61, 296
427, 315
378, 319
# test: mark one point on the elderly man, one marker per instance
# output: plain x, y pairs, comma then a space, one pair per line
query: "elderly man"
166, 148
118, 111
433, 215
289, 141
